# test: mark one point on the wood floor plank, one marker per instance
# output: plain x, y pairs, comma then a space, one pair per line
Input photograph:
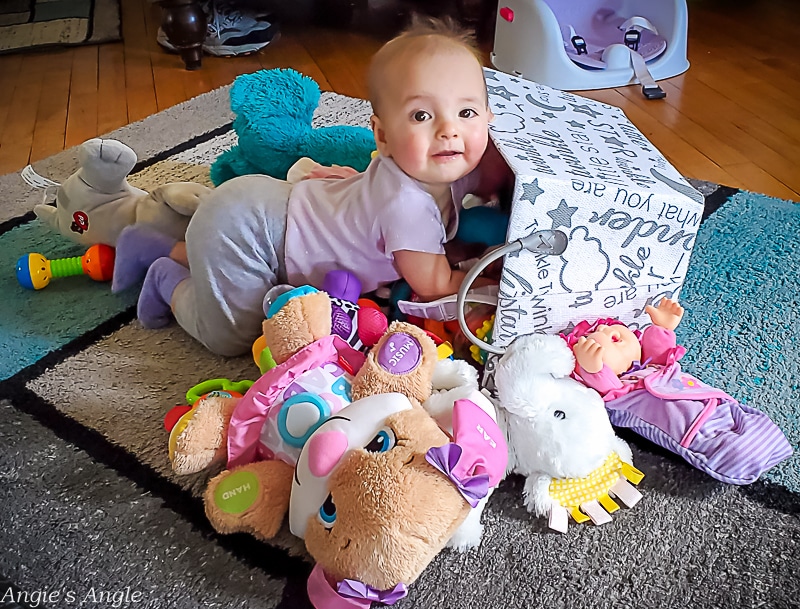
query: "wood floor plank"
753, 178
250, 63
49, 133
670, 117
728, 121
168, 78
168, 82
197, 82
733, 22
139, 84
82, 112
288, 52
345, 71
112, 107
226, 69
10, 66
235, 67
754, 94
15, 143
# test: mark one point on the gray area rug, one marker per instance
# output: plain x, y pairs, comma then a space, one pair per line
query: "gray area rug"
90, 514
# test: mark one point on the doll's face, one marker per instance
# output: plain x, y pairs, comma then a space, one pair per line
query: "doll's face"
620, 346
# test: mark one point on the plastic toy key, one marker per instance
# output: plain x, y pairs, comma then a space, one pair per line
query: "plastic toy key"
34, 271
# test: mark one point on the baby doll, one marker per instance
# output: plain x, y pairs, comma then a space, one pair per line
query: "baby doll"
644, 388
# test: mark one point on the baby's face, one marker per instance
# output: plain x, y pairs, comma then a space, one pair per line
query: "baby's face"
433, 116
620, 346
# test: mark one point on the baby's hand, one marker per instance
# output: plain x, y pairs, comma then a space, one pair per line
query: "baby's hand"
335, 171
589, 354
667, 314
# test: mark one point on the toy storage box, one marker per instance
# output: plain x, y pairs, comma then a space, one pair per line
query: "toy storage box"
582, 168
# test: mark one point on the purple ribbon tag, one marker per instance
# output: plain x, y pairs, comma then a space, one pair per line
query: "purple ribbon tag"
350, 588
637, 365
446, 459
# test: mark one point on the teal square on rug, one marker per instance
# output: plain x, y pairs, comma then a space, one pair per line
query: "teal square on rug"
742, 313
34, 323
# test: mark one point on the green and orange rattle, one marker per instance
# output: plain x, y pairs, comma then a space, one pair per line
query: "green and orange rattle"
34, 271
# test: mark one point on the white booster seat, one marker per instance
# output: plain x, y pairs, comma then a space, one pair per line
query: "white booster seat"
592, 44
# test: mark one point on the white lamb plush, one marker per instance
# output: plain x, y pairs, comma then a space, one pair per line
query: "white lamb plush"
559, 436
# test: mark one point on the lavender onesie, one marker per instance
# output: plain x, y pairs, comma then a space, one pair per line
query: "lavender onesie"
253, 232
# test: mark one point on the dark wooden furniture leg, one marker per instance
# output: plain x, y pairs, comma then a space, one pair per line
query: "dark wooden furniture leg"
184, 23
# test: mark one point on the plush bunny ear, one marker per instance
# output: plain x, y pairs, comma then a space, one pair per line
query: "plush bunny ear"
525, 375
540, 354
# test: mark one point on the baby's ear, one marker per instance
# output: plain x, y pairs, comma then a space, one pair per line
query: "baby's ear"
379, 134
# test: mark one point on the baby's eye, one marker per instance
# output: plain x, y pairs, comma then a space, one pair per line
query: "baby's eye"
384, 440
467, 113
421, 116
327, 513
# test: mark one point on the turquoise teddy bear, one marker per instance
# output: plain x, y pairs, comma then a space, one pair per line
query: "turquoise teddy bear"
273, 111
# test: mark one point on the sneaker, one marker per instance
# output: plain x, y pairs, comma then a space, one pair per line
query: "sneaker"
236, 33
231, 32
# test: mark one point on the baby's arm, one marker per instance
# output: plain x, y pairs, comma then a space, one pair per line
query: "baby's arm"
335, 171
430, 275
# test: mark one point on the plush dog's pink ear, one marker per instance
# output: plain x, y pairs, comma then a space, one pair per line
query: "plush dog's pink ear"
476, 460
477, 432
348, 594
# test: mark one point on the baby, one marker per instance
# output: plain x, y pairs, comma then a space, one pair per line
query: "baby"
430, 123
644, 389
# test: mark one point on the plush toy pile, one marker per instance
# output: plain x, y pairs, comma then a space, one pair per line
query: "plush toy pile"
340, 442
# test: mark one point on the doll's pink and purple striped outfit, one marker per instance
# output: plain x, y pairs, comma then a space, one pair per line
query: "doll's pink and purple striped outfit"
731, 442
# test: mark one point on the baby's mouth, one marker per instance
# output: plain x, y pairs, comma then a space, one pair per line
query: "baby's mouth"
447, 153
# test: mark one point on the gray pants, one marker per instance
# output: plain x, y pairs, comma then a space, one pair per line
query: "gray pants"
235, 247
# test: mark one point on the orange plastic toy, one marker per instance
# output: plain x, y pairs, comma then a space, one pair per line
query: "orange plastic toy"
34, 271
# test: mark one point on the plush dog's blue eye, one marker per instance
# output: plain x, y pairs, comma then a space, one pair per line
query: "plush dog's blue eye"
327, 513
383, 441
559, 414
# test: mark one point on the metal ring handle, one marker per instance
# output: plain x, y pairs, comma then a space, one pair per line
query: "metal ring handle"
550, 242
476, 270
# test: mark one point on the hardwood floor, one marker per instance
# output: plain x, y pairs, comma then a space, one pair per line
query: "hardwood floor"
733, 118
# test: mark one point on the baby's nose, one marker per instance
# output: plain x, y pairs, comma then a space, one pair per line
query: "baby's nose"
448, 130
